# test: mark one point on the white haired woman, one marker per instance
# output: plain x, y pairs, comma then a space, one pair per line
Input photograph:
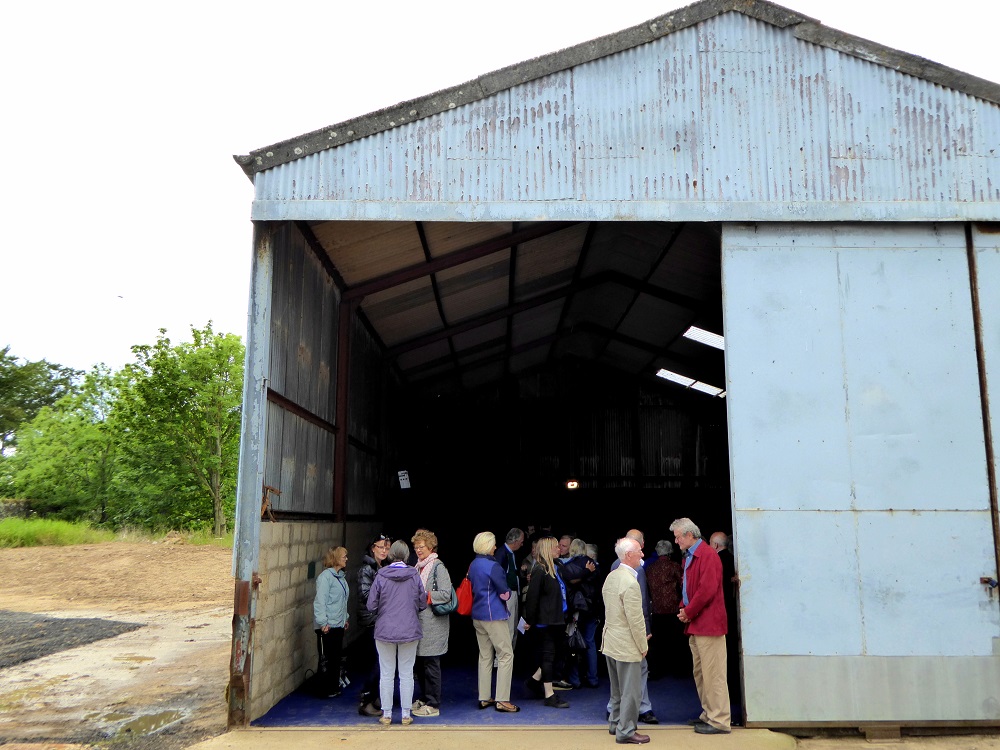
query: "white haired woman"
489, 617
397, 596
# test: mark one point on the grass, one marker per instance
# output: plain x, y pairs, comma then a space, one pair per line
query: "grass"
36, 532
39, 532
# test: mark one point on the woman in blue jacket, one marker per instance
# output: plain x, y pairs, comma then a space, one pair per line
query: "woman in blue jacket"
330, 618
489, 617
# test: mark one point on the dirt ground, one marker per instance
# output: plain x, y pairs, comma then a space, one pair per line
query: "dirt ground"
160, 685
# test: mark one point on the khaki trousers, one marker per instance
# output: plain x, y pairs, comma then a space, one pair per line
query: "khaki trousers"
709, 655
494, 640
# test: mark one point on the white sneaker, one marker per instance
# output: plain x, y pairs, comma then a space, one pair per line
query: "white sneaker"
426, 710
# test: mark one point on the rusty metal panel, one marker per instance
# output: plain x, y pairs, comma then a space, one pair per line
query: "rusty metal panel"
856, 434
730, 119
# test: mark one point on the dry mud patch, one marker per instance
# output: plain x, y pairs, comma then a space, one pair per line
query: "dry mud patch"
159, 685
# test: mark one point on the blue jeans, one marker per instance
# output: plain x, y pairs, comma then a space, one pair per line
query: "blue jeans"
587, 625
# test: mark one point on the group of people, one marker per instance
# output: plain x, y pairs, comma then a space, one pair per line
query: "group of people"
550, 596
401, 631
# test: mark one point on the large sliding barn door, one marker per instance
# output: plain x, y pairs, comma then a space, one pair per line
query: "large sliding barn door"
862, 510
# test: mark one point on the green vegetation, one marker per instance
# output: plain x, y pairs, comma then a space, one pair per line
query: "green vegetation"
42, 532
37, 532
153, 446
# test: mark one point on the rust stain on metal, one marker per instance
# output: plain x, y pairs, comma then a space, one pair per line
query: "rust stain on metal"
241, 604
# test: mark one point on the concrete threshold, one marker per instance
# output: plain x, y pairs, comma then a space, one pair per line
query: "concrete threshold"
513, 738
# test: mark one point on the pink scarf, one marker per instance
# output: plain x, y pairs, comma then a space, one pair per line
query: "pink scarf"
425, 567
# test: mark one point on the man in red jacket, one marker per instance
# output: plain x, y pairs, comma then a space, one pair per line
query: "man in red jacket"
703, 610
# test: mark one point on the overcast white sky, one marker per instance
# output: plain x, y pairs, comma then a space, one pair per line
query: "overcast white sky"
123, 211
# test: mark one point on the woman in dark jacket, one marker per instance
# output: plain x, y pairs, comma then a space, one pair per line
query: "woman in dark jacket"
397, 596
489, 617
378, 550
545, 612
584, 595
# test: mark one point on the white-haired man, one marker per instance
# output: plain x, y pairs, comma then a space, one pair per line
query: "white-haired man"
646, 715
624, 643
703, 611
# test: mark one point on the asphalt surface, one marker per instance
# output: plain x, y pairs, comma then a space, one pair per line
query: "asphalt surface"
25, 636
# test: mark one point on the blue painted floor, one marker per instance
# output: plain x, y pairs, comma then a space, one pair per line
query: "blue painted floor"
674, 702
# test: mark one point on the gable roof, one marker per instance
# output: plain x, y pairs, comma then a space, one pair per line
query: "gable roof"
804, 28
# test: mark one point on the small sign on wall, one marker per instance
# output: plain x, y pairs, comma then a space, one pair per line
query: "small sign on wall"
404, 480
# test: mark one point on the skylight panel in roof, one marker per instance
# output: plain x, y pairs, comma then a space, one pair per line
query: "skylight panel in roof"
673, 377
687, 382
705, 337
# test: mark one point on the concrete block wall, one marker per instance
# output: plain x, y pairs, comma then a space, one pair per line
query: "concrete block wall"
284, 643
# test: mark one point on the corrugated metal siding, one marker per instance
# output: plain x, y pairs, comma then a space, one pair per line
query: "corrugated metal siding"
367, 387
371, 395
303, 326
365, 482
732, 113
299, 462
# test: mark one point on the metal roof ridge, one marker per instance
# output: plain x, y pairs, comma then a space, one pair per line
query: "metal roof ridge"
807, 29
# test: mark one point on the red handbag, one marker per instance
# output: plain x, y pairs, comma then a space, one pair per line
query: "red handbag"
464, 596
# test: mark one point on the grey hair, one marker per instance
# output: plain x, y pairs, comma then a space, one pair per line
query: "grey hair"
577, 547
592, 551
625, 545
399, 552
686, 526
664, 548
513, 535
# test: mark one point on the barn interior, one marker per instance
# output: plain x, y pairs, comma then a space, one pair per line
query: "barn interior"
522, 385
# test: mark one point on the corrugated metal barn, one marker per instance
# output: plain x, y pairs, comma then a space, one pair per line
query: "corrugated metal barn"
479, 287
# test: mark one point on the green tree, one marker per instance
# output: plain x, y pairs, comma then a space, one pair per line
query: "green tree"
179, 415
25, 388
66, 462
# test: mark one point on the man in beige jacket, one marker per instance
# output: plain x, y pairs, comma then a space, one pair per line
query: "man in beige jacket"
624, 643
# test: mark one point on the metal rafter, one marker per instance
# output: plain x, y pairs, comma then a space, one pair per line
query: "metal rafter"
604, 277
457, 258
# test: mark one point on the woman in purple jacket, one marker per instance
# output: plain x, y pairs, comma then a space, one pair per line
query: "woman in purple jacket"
397, 596
489, 617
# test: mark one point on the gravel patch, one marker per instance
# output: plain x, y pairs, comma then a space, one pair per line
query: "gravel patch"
25, 636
